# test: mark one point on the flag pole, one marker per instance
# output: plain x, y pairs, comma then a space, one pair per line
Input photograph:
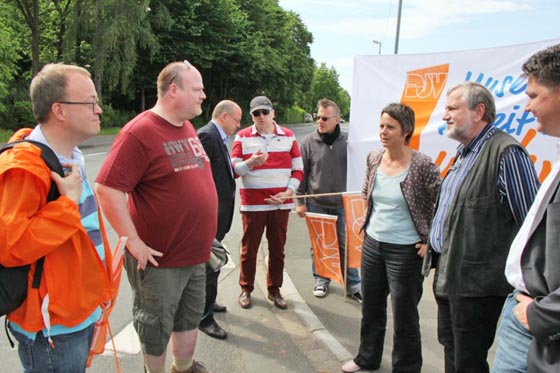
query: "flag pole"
345, 261
318, 195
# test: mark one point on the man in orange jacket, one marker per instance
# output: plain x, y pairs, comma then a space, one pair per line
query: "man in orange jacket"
66, 231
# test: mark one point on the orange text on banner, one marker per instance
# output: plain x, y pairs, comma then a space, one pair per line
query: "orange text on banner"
421, 92
324, 242
354, 214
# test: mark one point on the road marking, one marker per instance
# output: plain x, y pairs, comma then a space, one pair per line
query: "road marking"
126, 342
95, 154
309, 319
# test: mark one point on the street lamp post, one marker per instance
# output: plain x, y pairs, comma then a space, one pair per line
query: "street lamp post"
379, 45
398, 27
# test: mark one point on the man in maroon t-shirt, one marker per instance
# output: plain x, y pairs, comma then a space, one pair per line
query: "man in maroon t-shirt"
170, 216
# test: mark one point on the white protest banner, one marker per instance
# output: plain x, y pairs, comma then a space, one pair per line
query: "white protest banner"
421, 81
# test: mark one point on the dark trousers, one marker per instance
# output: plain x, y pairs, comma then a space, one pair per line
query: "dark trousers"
396, 270
211, 294
466, 328
254, 223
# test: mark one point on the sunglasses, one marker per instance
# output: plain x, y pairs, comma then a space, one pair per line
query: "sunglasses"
326, 118
257, 113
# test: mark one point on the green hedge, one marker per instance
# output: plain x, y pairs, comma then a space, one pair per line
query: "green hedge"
295, 115
114, 118
17, 115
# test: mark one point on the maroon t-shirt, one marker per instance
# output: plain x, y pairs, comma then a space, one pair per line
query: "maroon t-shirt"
172, 197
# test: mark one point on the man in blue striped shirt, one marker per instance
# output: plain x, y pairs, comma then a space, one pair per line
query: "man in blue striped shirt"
483, 201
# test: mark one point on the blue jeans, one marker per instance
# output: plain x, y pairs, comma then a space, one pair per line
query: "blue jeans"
390, 269
353, 282
69, 354
512, 341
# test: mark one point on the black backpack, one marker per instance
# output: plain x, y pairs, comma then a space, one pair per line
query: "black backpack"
13, 280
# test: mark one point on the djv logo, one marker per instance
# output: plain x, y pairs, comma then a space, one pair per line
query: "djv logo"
422, 91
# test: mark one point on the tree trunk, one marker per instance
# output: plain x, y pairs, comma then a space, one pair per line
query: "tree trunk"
99, 47
35, 39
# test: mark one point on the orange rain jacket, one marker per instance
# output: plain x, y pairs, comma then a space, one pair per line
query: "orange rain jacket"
74, 276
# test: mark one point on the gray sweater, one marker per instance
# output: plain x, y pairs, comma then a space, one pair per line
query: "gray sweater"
324, 169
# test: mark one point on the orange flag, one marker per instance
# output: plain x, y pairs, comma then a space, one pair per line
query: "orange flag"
324, 241
102, 325
354, 214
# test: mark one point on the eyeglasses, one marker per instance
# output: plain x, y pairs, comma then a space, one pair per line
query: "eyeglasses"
238, 121
92, 103
257, 113
326, 118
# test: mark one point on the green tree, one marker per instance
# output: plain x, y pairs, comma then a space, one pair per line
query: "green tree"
10, 49
30, 11
281, 65
243, 48
54, 19
325, 84
121, 27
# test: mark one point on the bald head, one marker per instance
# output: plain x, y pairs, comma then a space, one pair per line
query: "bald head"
227, 114
172, 73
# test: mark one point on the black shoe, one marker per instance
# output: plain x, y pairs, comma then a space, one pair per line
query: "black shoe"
357, 296
213, 330
219, 308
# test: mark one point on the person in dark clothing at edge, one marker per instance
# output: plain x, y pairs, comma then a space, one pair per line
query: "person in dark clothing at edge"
226, 120
528, 336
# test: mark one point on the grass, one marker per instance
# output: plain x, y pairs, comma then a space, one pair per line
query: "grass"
6, 134
110, 131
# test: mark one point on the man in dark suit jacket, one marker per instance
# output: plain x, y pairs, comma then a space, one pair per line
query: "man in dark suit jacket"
226, 119
528, 337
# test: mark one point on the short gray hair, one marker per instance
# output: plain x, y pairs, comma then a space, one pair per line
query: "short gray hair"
476, 93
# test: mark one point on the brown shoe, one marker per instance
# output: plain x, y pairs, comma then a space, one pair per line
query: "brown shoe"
197, 367
244, 299
279, 302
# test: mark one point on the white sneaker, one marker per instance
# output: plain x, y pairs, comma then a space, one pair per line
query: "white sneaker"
320, 290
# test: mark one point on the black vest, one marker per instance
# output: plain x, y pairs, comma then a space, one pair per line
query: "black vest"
478, 230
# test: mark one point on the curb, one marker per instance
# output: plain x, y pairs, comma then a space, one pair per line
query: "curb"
306, 315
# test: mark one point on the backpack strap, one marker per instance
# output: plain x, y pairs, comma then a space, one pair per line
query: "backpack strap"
51, 160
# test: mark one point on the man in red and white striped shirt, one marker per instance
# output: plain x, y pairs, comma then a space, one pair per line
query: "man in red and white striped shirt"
267, 158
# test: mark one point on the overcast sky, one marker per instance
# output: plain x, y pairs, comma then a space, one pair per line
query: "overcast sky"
343, 29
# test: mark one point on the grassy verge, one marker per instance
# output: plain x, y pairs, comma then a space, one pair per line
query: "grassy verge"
6, 134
